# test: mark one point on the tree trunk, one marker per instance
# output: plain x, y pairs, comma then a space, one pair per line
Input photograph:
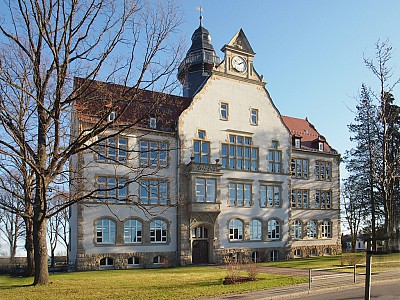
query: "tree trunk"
30, 263
40, 251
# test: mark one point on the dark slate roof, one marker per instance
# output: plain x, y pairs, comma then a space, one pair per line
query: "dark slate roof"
201, 40
135, 106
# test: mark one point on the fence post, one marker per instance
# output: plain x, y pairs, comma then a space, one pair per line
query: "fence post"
309, 279
355, 273
367, 286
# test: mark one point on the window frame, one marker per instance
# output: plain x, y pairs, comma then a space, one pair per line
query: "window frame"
301, 194
201, 148
323, 199
254, 116
135, 232
154, 187
296, 230
236, 230
107, 262
240, 154
300, 168
206, 188
158, 231
323, 170
153, 153
111, 189
326, 229
265, 191
312, 229
243, 194
274, 164
255, 227
108, 230
106, 152
274, 229
223, 111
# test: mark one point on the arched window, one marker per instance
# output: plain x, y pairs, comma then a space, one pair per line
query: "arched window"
105, 232
106, 262
255, 230
274, 230
313, 252
326, 229
274, 255
327, 251
132, 231
297, 253
157, 260
297, 230
158, 231
133, 261
311, 229
236, 230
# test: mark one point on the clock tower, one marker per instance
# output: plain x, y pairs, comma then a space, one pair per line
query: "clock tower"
239, 57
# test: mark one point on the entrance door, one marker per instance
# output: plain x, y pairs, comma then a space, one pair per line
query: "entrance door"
200, 252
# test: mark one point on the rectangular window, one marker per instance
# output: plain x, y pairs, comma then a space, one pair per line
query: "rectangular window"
153, 122
112, 149
299, 168
201, 148
205, 190
111, 189
154, 192
270, 196
153, 154
254, 116
239, 154
323, 170
322, 199
275, 159
240, 194
300, 198
224, 111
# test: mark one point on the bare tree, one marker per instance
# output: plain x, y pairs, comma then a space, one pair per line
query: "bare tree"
12, 227
389, 156
355, 208
44, 45
374, 162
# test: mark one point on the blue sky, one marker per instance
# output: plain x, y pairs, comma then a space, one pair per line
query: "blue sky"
310, 52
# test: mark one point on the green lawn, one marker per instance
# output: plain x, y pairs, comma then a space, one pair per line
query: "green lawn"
337, 261
174, 283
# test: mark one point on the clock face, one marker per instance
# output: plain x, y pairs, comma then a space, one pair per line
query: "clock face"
239, 64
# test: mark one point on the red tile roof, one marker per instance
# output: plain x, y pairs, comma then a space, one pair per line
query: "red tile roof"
134, 106
303, 129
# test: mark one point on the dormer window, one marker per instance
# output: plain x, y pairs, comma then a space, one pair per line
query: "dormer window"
112, 116
297, 143
153, 122
320, 146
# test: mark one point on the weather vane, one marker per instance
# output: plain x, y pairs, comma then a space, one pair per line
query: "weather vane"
200, 9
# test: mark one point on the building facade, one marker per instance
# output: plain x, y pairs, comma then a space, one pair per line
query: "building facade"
220, 174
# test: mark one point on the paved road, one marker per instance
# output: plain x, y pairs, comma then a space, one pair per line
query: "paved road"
381, 291
385, 287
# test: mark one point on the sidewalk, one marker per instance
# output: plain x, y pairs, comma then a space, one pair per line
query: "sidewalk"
295, 291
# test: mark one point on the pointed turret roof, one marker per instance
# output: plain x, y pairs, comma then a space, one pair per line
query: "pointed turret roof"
240, 42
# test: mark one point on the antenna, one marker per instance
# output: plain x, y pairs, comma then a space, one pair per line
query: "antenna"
200, 10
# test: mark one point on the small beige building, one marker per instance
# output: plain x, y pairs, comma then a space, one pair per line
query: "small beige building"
222, 174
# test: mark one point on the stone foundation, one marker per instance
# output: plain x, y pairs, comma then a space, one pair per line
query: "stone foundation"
315, 250
120, 260
245, 254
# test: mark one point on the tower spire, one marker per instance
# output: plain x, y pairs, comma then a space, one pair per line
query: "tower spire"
200, 9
